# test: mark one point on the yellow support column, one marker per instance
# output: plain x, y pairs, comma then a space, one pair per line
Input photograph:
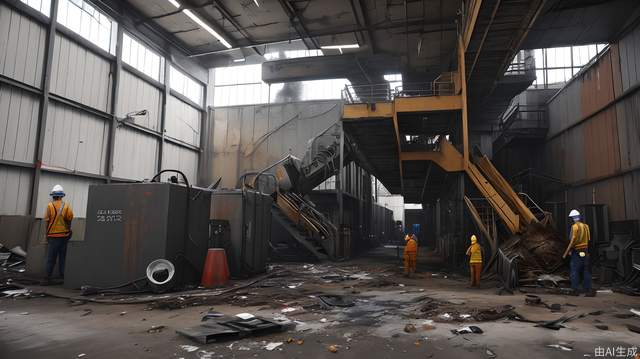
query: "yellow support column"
397, 130
465, 106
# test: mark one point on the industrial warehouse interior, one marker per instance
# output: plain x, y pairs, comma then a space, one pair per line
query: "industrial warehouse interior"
202, 179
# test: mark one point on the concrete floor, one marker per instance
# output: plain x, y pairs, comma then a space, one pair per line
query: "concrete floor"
46, 327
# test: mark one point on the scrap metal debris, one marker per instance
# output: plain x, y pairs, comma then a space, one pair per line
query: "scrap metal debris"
467, 330
189, 348
633, 328
328, 301
155, 329
272, 345
215, 329
409, 328
561, 346
12, 260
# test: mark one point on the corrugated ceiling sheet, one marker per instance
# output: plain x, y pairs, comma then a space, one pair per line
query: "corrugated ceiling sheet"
15, 190
74, 140
181, 159
135, 155
18, 124
183, 121
136, 94
80, 75
76, 189
24, 39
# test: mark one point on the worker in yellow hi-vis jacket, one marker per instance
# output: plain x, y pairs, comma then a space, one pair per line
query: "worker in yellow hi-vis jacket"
475, 261
579, 247
410, 254
57, 217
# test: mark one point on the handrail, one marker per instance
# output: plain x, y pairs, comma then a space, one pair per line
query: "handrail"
383, 92
526, 196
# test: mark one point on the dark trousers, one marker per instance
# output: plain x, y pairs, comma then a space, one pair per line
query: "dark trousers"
580, 267
475, 271
56, 251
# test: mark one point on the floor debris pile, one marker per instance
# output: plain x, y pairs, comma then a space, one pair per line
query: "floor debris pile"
536, 251
12, 260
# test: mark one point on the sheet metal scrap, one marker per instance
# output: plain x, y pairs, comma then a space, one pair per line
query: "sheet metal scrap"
230, 328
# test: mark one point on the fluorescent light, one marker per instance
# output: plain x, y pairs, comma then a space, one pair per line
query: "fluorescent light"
340, 47
208, 28
202, 24
239, 60
256, 2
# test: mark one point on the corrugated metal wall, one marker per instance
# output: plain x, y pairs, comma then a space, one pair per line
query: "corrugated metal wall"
75, 140
18, 124
15, 190
183, 122
181, 159
135, 154
76, 136
249, 138
26, 62
80, 75
593, 144
135, 94
76, 189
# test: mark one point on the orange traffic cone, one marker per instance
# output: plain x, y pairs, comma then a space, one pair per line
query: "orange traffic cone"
216, 269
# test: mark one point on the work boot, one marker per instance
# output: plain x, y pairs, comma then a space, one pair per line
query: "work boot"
575, 293
590, 293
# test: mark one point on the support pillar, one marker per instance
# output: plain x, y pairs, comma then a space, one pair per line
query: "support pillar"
465, 105
339, 190
115, 88
44, 105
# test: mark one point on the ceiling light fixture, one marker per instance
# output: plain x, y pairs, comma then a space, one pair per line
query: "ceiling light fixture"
201, 23
340, 47
239, 60
334, 47
256, 2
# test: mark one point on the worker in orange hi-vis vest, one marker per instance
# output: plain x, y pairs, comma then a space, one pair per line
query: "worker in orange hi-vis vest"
410, 254
57, 217
475, 261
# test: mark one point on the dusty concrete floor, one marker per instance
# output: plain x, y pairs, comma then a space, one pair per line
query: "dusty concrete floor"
46, 327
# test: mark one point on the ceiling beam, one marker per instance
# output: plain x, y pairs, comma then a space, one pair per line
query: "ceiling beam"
347, 30
298, 25
357, 7
229, 17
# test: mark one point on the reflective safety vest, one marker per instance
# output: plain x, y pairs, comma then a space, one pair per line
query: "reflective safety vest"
580, 235
411, 246
475, 252
59, 216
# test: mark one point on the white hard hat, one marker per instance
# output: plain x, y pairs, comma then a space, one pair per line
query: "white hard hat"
57, 191
574, 213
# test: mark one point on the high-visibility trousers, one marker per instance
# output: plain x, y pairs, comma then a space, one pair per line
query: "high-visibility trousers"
410, 262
